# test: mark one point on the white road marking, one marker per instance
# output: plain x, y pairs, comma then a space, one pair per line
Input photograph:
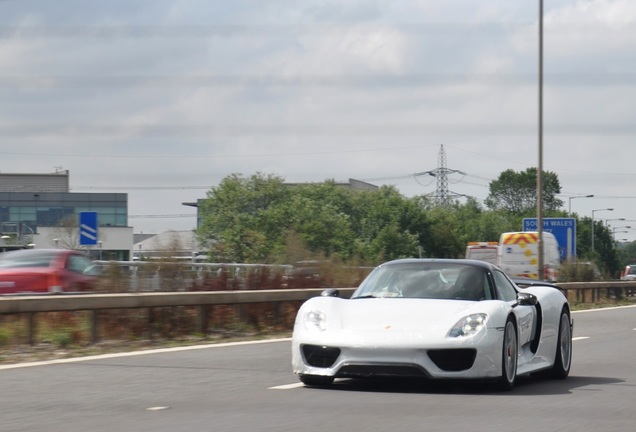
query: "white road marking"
287, 386
157, 408
604, 309
138, 353
580, 338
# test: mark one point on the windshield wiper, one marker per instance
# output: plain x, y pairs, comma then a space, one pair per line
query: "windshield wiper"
365, 297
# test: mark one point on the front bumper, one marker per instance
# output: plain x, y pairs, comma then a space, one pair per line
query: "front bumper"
470, 358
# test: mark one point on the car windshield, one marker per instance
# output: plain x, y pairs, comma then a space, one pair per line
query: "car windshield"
427, 280
31, 259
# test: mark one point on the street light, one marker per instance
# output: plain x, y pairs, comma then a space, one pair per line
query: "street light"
621, 227
540, 148
594, 211
575, 197
607, 221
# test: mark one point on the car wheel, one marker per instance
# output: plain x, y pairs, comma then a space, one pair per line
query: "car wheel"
563, 359
509, 356
316, 380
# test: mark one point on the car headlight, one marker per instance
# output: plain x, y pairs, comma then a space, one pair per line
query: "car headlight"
469, 325
315, 320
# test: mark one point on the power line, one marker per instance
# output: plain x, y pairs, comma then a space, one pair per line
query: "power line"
167, 216
77, 188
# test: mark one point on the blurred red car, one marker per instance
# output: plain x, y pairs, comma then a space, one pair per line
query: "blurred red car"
46, 271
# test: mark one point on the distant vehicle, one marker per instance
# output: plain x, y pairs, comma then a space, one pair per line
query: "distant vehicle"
434, 319
629, 274
519, 255
305, 274
483, 251
46, 271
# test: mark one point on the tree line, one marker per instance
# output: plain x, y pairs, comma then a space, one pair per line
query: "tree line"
261, 219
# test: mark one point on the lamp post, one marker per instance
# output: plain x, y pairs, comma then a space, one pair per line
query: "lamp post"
575, 197
594, 211
540, 147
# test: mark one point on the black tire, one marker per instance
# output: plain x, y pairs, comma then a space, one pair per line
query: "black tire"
509, 356
316, 380
563, 358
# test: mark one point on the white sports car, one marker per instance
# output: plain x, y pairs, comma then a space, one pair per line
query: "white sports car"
436, 319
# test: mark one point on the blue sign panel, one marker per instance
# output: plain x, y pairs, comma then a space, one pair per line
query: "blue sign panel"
564, 229
88, 228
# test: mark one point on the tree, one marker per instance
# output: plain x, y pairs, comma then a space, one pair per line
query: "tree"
604, 254
66, 234
516, 192
388, 226
240, 221
254, 219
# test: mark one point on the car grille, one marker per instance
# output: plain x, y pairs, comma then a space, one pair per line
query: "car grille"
380, 370
453, 360
320, 356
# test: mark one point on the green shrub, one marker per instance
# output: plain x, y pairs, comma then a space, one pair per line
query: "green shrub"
579, 272
5, 337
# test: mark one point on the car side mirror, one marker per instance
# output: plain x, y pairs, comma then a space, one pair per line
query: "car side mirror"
526, 299
330, 292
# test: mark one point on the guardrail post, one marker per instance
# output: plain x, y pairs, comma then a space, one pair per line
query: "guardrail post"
32, 328
94, 324
203, 320
150, 322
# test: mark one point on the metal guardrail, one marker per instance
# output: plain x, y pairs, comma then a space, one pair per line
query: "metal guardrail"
581, 290
33, 305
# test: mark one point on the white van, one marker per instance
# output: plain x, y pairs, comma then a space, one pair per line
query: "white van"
483, 251
519, 257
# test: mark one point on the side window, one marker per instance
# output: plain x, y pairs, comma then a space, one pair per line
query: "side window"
78, 264
507, 291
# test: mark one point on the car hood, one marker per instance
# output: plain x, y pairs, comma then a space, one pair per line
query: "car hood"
409, 316
401, 314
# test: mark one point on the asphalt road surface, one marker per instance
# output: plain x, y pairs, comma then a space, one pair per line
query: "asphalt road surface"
250, 387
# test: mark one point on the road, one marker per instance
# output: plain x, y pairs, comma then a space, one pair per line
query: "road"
250, 387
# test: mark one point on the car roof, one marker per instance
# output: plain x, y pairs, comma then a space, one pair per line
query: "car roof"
475, 263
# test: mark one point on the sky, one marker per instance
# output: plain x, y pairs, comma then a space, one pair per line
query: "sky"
162, 99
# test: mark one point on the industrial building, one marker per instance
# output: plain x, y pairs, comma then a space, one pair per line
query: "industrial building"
39, 211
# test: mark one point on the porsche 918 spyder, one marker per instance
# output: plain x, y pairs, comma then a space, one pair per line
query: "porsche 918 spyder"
435, 319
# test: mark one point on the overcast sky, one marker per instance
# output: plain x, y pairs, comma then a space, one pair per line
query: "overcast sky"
162, 99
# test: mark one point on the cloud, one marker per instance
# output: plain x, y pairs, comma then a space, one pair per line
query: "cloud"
184, 93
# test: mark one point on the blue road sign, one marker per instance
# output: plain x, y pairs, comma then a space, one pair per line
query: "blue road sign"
88, 228
564, 229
